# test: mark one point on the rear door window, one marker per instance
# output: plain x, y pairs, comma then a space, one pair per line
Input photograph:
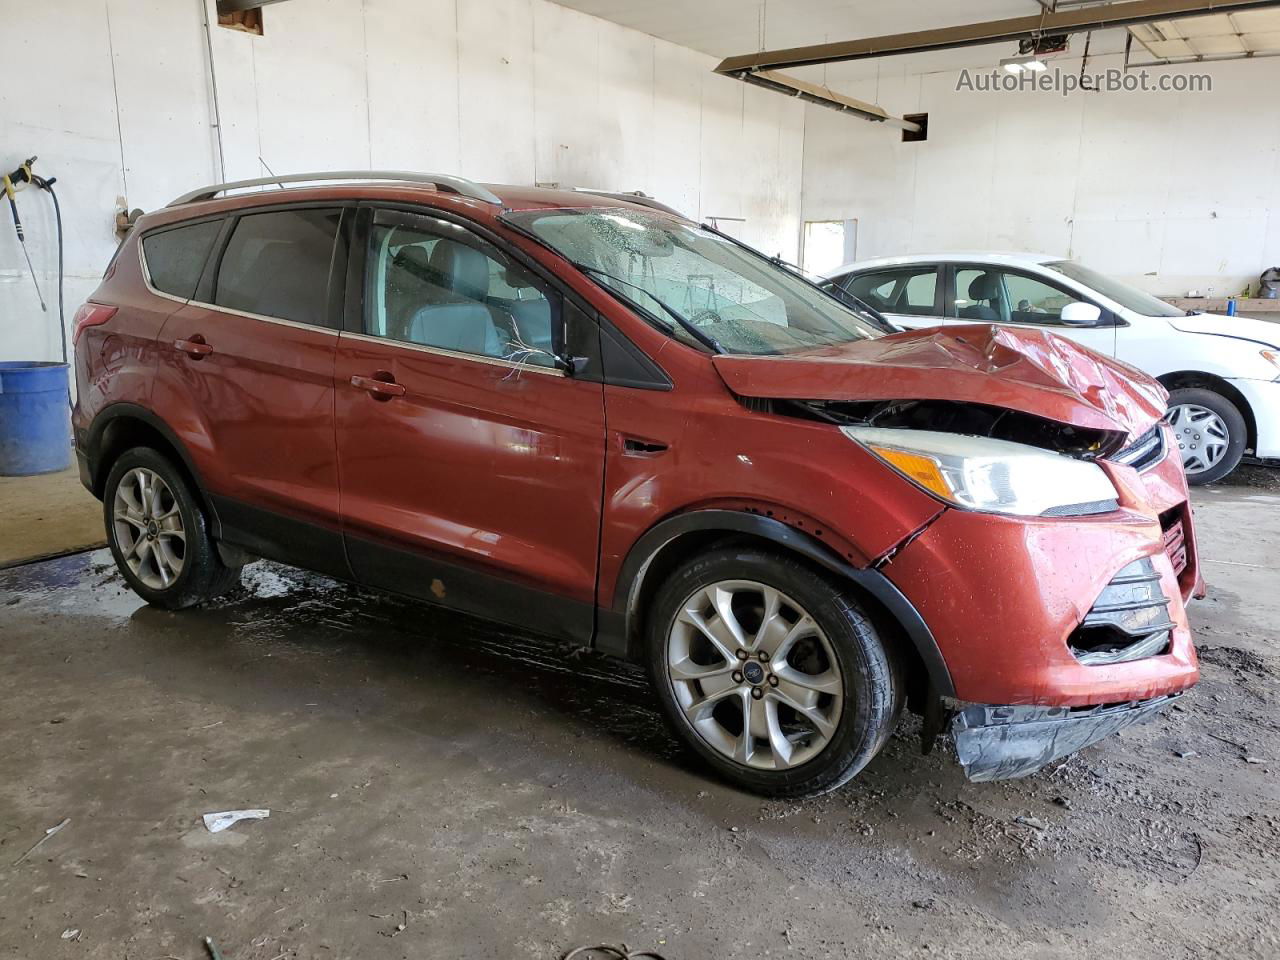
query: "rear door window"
175, 257
277, 264
911, 292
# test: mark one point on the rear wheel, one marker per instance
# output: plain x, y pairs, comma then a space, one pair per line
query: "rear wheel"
771, 673
158, 533
1210, 432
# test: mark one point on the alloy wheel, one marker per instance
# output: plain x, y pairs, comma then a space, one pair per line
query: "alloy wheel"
1203, 437
148, 528
754, 674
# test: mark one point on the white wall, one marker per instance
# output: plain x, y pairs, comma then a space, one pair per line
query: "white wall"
115, 98
1171, 191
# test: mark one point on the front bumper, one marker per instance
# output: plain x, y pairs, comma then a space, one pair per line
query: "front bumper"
1263, 397
1003, 596
1004, 743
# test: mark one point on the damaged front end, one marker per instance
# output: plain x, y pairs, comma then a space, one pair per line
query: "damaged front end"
966, 418
1005, 743
1054, 578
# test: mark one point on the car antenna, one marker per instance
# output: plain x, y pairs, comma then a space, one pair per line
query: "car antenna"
269, 170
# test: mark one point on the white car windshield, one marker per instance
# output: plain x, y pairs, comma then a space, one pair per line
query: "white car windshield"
1129, 297
723, 294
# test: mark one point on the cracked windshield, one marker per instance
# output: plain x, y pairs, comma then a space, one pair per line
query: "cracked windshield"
701, 287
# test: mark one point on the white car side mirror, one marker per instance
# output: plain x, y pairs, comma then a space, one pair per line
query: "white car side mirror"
1080, 314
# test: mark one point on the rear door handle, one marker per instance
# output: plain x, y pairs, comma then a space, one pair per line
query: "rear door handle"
381, 389
195, 348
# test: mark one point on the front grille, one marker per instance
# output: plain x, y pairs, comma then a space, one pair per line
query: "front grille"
1129, 620
1145, 452
1175, 539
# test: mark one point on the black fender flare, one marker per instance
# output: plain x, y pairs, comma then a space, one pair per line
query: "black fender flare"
618, 633
124, 410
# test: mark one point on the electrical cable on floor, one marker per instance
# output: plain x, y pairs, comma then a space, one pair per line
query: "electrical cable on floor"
621, 953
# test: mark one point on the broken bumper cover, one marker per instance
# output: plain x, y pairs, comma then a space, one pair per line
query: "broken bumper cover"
1004, 743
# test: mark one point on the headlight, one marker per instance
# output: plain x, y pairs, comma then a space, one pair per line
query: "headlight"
1272, 357
995, 476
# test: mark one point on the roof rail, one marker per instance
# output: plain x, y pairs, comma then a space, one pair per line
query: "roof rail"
441, 181
633, 196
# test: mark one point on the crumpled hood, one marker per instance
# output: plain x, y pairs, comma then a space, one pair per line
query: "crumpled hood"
1263, 332
1030, 371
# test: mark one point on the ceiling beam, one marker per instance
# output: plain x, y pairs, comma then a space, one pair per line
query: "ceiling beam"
1058, 21
826, 97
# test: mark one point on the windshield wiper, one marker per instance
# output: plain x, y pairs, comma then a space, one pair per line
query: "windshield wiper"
711, 343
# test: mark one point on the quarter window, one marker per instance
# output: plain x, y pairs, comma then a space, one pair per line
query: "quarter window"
438, 287
176, 257
909, 292
277, 264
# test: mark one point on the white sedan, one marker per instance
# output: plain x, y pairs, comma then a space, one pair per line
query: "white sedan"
1222, 373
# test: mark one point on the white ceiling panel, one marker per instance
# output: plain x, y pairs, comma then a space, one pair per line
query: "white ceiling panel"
1258, 21
1217, 46
1214, 25
1216, 36
1170, 49
1263, 42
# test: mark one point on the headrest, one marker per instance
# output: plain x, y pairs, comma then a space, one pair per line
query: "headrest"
985, 286
415, 260
462, 269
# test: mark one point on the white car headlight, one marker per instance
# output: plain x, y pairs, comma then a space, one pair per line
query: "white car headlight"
995, 476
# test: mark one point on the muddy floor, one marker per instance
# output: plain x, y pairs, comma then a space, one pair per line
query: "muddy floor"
441, 790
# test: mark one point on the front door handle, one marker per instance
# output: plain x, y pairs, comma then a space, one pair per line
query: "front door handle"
380, 388
195, 347
639, 447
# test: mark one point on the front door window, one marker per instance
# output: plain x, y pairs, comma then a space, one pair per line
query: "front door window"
434, 288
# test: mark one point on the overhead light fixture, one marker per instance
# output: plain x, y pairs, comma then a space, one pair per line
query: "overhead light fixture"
1030, 63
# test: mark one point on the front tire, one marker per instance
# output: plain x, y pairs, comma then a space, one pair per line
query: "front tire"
1210, 432
771, 673
159, 535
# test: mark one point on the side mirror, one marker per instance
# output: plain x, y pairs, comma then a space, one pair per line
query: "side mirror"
1080, 314
572, 366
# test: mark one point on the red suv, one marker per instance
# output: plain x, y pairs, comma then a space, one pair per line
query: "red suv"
597, 420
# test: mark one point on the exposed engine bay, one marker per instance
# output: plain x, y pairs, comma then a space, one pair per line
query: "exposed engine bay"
972, 419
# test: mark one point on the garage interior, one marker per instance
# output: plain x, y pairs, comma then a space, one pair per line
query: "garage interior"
439, 786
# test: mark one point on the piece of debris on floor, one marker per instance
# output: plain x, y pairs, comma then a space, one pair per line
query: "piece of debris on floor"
36, 846
217, 822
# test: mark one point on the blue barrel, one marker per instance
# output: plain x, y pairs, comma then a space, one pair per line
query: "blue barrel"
35, 419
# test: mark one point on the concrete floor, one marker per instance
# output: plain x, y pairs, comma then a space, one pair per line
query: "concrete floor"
440, 790
46, 515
